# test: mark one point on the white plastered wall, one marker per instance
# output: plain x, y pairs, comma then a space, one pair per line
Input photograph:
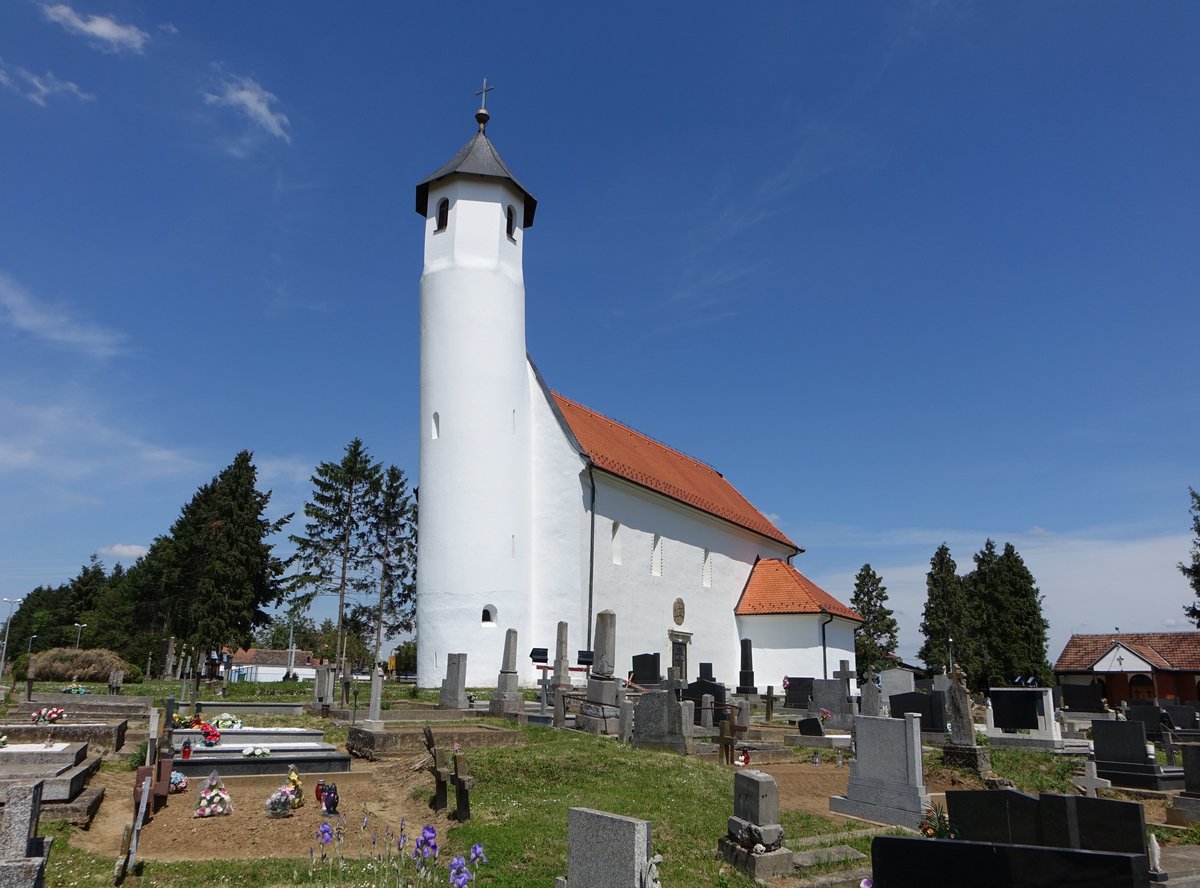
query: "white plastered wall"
790, 644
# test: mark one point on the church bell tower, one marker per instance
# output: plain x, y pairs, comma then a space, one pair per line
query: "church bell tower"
474, 553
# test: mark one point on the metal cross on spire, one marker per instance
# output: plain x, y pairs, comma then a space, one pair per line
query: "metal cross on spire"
482, 116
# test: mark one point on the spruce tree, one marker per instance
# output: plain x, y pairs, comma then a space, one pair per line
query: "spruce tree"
335, 549
876, 637
1192, 571
392, 540
223, 562
946, 616
1011, 630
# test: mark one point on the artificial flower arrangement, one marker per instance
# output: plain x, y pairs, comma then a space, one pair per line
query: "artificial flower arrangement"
255, 752
296, 785
824, 714
214, 798
227, 722
49, 715
179, 720
4, 741
74, 688
179, 782
210, 735
281, 802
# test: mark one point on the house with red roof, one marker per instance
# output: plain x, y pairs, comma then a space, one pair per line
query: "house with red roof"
1129, 666
536, 509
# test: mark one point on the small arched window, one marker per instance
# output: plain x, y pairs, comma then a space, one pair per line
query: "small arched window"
510, 223
489, 615
443, 214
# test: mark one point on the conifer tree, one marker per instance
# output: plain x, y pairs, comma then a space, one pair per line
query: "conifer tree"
335, 549
1011, 630
1192, 571
392, 540
876, 637
946, 617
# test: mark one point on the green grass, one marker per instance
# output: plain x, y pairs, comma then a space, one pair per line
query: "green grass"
1033, 771
519, 808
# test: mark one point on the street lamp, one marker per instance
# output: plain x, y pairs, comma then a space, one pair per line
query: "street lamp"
950, 647
29, 650
12, 602
79, 627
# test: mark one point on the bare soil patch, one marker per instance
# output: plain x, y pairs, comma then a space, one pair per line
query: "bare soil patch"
385, 790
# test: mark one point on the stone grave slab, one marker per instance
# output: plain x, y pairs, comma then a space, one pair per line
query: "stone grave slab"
1121, 756
887, 782
606, 851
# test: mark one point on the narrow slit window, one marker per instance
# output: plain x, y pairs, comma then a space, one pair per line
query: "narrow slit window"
436, 427
616, 542
706, 570
510, 223
656, 556
443, 214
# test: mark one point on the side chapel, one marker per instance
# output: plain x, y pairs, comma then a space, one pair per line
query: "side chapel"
536, 509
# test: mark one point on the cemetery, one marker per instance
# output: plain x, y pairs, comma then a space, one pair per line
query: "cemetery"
616, 782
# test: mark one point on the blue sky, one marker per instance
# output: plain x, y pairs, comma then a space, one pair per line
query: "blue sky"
905, 273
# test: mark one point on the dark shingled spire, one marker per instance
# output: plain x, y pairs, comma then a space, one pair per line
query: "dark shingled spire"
476, 158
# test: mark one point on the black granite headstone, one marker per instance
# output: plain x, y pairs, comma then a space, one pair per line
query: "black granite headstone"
931, 707
1183, 718
1082, 698
746, 672
798, 693
706, 671
1109, 824
1119, 741
1150, 715
994, 815
645, 669
696, 691
1191, 767
1014, 710
902, 862
810, 727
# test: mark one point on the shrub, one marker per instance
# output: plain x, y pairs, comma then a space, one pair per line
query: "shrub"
66, 664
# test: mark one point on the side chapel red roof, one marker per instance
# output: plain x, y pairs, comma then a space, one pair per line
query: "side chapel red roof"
629, 454
776, 587
1163, 650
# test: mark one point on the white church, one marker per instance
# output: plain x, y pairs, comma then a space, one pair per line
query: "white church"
536, 509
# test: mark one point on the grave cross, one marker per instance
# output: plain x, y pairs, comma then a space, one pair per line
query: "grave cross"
545, 683
1089, 782
845, 675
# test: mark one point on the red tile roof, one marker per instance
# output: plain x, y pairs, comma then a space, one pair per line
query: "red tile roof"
775, 587
1172, 651
267, 657
629, 454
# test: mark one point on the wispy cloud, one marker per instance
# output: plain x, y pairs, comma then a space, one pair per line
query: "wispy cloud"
255, 104
38, 87
103, 32
124, 550
22, 311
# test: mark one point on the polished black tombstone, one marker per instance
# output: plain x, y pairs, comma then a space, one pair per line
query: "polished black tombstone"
1014, 710
810, 727
746, 672
903, 862
1081, 698
798, 692
696, 691
1121, 756
931, 707
998, 815
646, 669
1149, 715
706, 671
1182, 718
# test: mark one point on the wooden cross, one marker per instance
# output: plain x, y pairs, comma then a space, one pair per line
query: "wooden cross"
483, 93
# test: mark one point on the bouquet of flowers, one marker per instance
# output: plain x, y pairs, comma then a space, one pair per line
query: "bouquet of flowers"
74, 688
936, 824
296, 785
256, 752
214, 798
210, 734
179, 782
49, 715
824, 714
4, 741
178, 720
227, 722
281, 802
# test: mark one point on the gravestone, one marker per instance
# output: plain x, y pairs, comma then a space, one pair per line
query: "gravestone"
1183, 718
995, 815
1185, 807
963, 751
325, 686
745, 683
870, 701
704, 711
1023, 717
600, 711
810, 727
662, 722
22, 808
706, 672
754, 840
798, 691
896, 681
1081, 698
507, 699
887, 782
562, 664
931, 707
1149, 714
454, 685
608, 851
1121, 756
941, 682
374, 720
706, 687
646, 670
1090, 783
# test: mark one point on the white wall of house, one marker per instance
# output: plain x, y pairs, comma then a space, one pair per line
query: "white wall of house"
790, 644
270, 673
